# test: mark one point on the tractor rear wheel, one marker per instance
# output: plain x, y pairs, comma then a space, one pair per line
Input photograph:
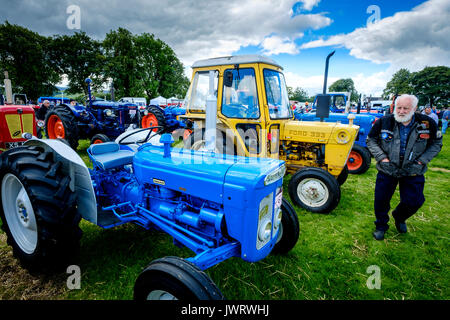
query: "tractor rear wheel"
38, 209
343, 176
61, 123
173, 278
315, 190
154, 118
359, 160
289, 229
99, 138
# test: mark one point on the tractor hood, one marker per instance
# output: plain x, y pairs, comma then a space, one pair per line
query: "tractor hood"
307, 131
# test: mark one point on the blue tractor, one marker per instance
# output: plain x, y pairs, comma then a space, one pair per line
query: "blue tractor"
359, 158
166, 118
100, 120
218, 206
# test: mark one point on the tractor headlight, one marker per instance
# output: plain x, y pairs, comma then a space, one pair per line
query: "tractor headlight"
145, 112
264, 221
264, 230
40, 123
108, 112
275, 175
342, 137
277, 220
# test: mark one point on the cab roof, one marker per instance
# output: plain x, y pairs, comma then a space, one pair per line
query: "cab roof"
232, 60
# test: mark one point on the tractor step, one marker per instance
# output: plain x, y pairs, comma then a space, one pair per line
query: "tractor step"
107, 219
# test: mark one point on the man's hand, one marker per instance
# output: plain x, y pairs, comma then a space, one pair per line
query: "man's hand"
385, 160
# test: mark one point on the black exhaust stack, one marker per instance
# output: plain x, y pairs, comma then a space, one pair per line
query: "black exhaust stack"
324, 100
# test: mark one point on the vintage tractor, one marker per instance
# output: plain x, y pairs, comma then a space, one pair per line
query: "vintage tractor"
168, 118
254, 118
218, 206
15, 120
100, 120
359, 159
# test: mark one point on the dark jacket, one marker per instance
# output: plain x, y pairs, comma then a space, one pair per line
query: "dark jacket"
423, 144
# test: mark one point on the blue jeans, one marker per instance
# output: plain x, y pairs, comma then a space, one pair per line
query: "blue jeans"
411, 198
444, 125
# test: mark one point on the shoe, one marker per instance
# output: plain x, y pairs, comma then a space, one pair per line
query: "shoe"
378, 234
401, 227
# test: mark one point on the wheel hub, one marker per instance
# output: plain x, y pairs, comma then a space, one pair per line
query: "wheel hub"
312, 192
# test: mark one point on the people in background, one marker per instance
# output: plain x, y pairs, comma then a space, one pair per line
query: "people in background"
428, 111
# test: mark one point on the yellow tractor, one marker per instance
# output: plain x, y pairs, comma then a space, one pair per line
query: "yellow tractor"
253, 117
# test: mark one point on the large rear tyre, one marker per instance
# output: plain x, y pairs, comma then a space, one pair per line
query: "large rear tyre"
61, 123
359, 160
289, 229
315, 190
173, 278
38, 209
154, 118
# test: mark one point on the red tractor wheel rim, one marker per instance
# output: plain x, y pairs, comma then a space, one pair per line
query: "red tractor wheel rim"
55, 128
186, 134
97, 141
355, 161
149, 121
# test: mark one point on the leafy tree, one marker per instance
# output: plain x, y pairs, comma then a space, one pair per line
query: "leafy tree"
431, 85
25, 55
299, 94
79, 57
345, 85
399, 84
142, 65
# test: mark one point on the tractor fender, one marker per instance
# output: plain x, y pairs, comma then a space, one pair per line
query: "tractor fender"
73, 166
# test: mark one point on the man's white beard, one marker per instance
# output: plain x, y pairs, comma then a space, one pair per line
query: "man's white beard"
405, 118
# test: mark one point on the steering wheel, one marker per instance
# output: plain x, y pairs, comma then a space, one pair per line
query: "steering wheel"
147, 137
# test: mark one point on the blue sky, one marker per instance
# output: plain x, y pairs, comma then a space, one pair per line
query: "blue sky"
298, 34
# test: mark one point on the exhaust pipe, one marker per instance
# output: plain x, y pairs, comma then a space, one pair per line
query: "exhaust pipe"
8, 89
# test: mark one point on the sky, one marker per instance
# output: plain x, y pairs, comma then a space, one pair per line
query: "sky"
373, 38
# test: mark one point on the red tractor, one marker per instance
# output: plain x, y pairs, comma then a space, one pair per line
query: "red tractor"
15, 120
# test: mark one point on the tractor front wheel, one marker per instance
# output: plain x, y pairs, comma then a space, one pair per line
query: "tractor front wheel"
315, 190
289, 230
173, 278
99, 138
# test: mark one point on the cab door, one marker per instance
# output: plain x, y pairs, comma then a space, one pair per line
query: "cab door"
239, 109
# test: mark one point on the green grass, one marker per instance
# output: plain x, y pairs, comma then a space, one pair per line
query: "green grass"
330, 260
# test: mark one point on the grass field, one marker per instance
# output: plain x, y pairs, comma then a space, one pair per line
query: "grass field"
330, 260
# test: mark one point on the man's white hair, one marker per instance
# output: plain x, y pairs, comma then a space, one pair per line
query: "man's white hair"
410, 97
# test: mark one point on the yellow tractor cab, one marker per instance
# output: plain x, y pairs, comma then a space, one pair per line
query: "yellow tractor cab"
254, 118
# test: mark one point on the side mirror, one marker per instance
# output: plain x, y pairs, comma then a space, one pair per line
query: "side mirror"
228, 78
323, 106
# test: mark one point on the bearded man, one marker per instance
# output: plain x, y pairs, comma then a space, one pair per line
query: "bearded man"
402, 143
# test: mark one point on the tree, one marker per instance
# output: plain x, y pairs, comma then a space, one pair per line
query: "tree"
345, 85
299, 94
26, 56
79, 57
141, 65
399, 84
431, 85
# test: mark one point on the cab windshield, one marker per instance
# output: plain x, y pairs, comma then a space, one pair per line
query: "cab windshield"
276, 94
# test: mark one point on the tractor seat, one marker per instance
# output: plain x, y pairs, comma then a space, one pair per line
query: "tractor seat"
108, 155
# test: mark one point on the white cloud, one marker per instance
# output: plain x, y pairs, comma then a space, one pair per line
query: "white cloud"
309, 4
195, 29
412, 39
275, 45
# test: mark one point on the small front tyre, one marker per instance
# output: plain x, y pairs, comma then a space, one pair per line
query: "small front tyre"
315, 190
289, 230
173, 278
